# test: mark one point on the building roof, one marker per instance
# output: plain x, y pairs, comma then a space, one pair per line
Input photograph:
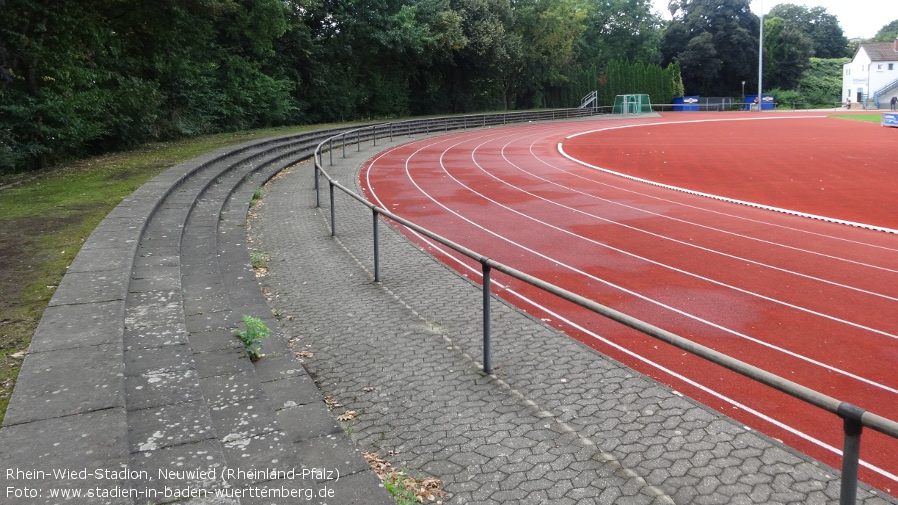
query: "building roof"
880, 51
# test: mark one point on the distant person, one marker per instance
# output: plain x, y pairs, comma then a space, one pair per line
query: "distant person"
848, 103
894, 102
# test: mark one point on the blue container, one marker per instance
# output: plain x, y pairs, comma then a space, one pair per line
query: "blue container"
685, 103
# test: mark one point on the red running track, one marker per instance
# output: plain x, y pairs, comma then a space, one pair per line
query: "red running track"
810, 300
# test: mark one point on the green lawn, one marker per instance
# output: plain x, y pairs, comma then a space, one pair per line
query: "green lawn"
872, 117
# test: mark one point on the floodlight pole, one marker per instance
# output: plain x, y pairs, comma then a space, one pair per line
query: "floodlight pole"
761, 56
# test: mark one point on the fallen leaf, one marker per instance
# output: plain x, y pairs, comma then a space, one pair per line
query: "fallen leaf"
349, 415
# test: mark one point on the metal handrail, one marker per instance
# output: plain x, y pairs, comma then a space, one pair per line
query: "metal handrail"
854, 418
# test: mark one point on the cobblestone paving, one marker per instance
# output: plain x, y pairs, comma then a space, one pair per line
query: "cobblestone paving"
557, 423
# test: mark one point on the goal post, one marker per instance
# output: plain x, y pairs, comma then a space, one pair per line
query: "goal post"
632, 104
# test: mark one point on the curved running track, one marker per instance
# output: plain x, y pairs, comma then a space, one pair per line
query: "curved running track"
807, 299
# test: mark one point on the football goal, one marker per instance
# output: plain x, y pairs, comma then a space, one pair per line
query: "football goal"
631, 104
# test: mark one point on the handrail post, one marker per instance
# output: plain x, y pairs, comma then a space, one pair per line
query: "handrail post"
391, 132
487, 344
851, 451
344, 145
376, 247
358, 140
333, 214
375, 135
317, 191
330, 150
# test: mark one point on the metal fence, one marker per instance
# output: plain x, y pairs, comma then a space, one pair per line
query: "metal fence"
854, 418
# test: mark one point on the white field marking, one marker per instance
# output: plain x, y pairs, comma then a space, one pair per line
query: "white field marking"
742, 218
647, 260
716, 394
702, 209
435, 141
633, 293
731, 216
714, 120
665, 237
708, 195
632, 255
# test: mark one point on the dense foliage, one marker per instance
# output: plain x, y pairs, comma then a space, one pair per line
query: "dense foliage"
79, 77
716, 44
86, 76
887, 33
820, 86
821, 28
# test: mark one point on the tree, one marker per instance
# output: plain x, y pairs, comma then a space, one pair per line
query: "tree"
821, 84
379, 58
887, 33
80, 77
83, 77
54, 91
787, 53
552, 28
715, 42
819, 87
704, 63
478, 75
826, 35
625, 30
620, 78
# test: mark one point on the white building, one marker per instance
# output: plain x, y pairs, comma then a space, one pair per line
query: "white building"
871, 78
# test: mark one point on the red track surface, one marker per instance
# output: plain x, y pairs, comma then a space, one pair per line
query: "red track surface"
810, 300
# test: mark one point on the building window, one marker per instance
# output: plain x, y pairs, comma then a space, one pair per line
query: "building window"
891, 66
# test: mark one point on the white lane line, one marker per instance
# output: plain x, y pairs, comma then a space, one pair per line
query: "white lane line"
658, 235
724, 214
633, 255
639, 295
709, 195
634, 293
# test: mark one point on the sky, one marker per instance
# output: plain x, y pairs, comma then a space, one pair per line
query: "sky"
859, 18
